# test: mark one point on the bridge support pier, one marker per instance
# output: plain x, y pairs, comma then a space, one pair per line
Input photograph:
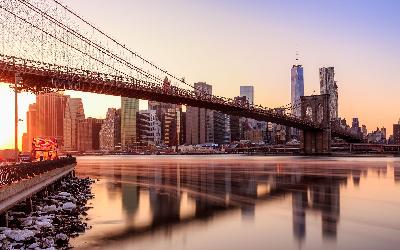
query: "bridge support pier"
316, 109
316, 142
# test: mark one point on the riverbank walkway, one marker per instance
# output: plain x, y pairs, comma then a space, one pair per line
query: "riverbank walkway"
19, 182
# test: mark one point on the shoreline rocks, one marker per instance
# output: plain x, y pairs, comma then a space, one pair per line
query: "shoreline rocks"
56, 217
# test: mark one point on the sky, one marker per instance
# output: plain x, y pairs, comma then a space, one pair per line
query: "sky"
254, 42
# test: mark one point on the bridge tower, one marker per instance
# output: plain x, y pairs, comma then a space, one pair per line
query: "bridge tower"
315, 108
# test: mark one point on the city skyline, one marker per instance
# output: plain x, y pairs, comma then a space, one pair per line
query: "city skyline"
363, 69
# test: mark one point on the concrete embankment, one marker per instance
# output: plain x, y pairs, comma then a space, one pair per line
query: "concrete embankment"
17, 192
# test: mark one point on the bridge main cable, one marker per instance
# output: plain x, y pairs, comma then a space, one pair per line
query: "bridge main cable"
122, 45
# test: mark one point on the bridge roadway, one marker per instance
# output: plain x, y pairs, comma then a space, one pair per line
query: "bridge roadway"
38, 77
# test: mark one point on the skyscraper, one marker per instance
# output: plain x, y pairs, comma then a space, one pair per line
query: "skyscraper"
171, 123
329, 86
88, 134
222, 129
129, 110
74, 114
297, 88
199, 121
248, 92
110, 132
31, 119
50, 108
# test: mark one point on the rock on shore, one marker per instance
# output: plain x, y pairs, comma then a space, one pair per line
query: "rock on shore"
56, 217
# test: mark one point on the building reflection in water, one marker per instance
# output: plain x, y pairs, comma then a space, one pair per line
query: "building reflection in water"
160, 197
397, 174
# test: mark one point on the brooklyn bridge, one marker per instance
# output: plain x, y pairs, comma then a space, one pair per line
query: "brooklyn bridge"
45, 47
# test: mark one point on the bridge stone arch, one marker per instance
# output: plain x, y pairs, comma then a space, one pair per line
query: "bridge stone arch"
315, 108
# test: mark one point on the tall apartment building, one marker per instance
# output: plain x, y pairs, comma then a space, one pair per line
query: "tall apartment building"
110, 132
329, 86
74, 114
199, 121
129, 110
148, 127
173, 127
222, 128
88, 134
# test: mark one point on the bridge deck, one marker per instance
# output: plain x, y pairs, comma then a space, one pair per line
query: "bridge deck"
39, 77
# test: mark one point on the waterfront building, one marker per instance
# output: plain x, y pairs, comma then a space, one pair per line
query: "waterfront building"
148, 127
25, 142
31, 119
110, 132
182, 136
248, 92
279, 133
161, 109
236, 128
50, 109
378, 136
173, 127
199, 121
74, 114
254, 136
222, 129
328, 85
88, 134
129, 110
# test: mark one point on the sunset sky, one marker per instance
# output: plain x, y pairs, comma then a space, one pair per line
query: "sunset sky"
254, 42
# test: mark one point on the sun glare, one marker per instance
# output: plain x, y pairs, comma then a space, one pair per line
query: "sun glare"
7, 115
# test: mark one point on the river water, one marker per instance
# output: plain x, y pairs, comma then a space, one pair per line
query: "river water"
242, 202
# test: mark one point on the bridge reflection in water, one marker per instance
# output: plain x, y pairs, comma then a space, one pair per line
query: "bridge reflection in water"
165, 195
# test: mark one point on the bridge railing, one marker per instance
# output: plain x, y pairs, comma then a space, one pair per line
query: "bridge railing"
16, 172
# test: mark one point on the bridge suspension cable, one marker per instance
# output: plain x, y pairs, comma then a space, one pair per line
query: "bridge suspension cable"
124, 46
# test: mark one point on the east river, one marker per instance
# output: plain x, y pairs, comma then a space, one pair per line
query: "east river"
242, 202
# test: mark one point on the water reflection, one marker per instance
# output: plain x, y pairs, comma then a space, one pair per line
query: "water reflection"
397, 174
160, 195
